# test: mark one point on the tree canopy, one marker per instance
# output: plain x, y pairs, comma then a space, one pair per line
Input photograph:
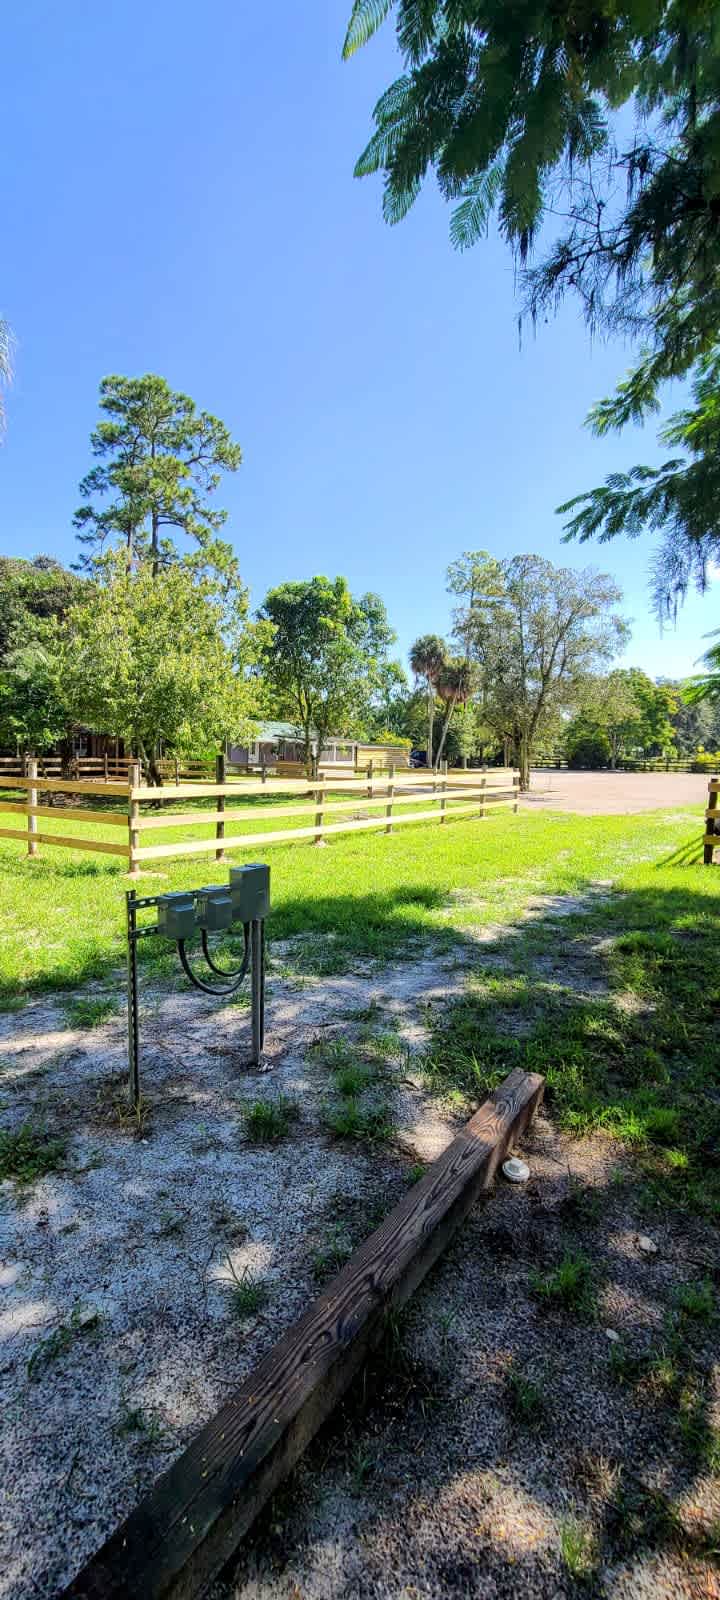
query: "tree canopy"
159, 462
535, 633
150, 658
515, 109
679, 500
324, 656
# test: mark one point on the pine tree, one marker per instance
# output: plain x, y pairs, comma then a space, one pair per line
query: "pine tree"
159, 461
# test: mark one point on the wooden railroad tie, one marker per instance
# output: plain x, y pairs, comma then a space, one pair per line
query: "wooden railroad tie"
187, 1528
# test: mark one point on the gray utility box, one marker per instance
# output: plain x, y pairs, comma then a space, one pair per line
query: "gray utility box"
250, 892
214, 908
176, 916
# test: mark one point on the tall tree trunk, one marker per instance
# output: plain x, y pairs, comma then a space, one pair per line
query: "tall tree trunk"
446, 725
431, 725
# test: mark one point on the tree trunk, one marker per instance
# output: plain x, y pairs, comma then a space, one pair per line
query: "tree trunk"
431, 725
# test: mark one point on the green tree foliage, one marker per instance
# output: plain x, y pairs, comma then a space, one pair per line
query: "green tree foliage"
679, 500
324, 656
593, 128
31, 592
35, 713
626, 713
516, 110
156, 660
535, 633
428, 658
454, 687
159, 462
697, 726
706, 686
34, 598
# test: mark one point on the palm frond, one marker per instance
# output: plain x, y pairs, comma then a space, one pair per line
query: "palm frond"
365, 19
470, 219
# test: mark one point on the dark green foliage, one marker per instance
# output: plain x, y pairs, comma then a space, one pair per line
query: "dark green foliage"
324, 655
521, 112
159, 460
588, 751
678, 500
29, 1153
514, 109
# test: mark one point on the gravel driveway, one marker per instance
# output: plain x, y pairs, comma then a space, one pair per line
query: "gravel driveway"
594, 794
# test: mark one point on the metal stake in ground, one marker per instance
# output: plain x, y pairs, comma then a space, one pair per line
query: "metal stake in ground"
246, 901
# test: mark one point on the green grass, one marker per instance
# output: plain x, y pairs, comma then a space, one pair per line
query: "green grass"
64, 914
644, 1072
267, 1121
577, 1548
349, 1118
525, 1398
248, 1293
29, 1153
570, 1286
90, 1013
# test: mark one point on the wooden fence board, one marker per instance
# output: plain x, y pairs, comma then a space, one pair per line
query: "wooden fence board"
116, 819
68, 841
68, 786
180, 1536
184, 818
287, 835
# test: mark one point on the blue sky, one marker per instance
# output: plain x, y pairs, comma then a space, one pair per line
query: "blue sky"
178, 197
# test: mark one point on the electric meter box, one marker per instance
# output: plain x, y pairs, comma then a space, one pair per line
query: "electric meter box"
214, 908
176, 916
250, 892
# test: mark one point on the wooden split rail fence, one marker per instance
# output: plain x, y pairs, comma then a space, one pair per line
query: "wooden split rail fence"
427, 796
711, 842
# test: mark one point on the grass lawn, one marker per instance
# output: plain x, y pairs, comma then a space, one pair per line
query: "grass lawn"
617, 1000
580, 947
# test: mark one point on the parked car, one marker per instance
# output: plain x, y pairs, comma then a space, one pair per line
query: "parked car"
418, 758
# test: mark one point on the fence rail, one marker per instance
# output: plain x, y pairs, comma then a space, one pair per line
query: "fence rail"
399, 799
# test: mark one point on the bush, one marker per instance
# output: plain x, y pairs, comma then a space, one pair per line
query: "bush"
590, 750
706, 761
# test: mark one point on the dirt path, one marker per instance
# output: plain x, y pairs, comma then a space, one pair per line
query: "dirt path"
500, 1432
593, 794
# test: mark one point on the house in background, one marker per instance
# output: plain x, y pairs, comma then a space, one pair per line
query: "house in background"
282, 741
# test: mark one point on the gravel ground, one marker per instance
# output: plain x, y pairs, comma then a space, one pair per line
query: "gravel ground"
594, 794
438, 1487
118, 1336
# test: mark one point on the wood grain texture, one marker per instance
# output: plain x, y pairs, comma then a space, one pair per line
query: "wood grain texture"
69, 842
180, 1536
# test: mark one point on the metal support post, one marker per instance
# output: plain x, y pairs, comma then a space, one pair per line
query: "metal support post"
132, 1000
257, 941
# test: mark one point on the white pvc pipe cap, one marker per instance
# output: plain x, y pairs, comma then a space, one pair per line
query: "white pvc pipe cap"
515, 1170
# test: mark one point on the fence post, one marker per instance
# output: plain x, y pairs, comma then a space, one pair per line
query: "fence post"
32, 800
220, 826
370, 778
320, 795
443, 802
709, 847
263, 770
516, 792
483, 782
391, 791
107, 773
133, 817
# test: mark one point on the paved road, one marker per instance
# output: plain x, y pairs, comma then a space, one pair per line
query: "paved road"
615, 793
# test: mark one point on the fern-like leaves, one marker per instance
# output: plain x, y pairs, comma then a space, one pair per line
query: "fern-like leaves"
366, 17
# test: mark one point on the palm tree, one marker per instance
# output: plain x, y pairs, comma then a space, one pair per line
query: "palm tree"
428, 656
454, 686
6, 368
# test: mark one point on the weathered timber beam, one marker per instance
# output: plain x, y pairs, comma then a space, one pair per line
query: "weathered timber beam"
185, 1530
